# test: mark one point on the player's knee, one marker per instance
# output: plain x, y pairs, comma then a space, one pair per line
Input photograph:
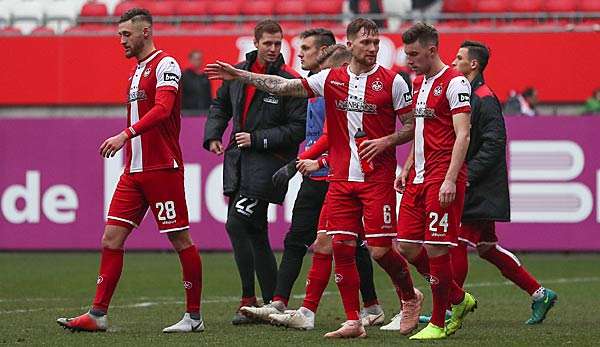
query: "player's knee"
408, 250
295, 242
323, 244
180, 240
114, 237
436, 250
378, 252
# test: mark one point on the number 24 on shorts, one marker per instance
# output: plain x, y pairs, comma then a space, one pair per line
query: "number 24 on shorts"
441, 223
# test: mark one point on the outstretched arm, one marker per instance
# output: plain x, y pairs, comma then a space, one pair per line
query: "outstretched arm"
270, 83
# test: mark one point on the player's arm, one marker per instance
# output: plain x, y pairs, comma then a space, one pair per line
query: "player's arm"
318, 148
493, 140
270, 83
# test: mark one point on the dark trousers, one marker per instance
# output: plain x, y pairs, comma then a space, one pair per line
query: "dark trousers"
247, 229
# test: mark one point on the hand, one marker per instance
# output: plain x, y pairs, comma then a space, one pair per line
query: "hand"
371, 148
216, 147
221, 71
282, 176
447, 193
243, 140
112, 145
307, 166
400, 183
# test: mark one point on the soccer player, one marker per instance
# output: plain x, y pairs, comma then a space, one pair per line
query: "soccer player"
432, 202
362, 96
153, 175
312, 164
315, 47
487, 198
267, 130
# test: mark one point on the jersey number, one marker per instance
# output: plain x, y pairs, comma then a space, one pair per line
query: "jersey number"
434, 219
166, 210
387, 214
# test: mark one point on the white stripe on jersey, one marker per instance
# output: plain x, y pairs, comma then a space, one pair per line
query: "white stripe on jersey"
420, 125
136, 142
356, 92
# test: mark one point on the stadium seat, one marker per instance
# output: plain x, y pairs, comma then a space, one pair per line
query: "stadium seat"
326, 7
61, 14
291, 7
458, 6
92, 29
161, 8
526, 5
42, 31
10, 31
94, 9
258, 8
164, 28
560, 5
126, 6
27, 15
225, 7
492, 6
589, 6
191, 8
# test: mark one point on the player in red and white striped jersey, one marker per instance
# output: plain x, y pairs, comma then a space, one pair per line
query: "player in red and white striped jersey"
153, 175
432, 202
368, 97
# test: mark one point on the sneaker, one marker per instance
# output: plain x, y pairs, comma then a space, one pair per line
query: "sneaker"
85, 322
427, 318
186, 325
262, 313
350, 329
539, 308
303, 319
372, 316
459, 312
410, 313
394, 324
430, 332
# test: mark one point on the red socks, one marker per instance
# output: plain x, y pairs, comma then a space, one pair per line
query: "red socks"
317, 280
443, 288
460, 263
191, 267
397, 268
421, 263
346, 278
111, 264
511, 268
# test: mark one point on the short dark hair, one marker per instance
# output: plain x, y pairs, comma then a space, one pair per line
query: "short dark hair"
359, 23
195, 51
338, 54
477, 51
424, 33
323, 37
528, 92
266, 26
136, 15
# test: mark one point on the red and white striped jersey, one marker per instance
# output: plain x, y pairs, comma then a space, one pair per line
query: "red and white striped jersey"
437, 100
157, 148
369, 101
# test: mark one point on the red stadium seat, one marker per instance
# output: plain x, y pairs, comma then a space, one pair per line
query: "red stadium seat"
492, 6
330, 7
94, 9
164, 28
10, 31
258, 8
560, 5
191, 8
527, 5
42, 30
589, 6
161, 8
125, 6
291, 7
453, 6
225, 7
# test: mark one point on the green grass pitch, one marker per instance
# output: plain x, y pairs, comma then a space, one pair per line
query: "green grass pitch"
36, 288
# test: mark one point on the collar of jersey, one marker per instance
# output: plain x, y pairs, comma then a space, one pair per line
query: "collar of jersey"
364, 73
432, 78
150, 57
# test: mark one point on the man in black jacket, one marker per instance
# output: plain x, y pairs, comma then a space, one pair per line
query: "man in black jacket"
487, 199
267, 130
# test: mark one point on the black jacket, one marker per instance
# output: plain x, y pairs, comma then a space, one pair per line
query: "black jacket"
487, 195
276, 124
196, 91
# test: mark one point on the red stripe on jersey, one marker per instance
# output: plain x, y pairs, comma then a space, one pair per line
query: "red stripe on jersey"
464, 109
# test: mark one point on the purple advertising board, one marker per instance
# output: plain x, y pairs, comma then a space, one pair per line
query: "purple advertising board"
55, 187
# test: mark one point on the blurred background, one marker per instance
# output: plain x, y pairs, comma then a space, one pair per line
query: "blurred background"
64, 77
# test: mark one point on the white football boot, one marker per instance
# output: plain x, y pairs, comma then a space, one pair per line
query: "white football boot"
372, 315
186, 325
394, 325
303, 319
262, 313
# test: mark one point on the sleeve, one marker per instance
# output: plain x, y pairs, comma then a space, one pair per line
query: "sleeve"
493, 140
219, 114
401, 95
317, 149
288, 134
163, 105
459, 95
315, 84
168, 73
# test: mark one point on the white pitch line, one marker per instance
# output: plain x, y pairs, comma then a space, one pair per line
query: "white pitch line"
229, 299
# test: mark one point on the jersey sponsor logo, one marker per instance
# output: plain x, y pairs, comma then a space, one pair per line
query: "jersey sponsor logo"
407, 97
271, 99
377, 86
136, 95
147, 72
424, 112
355, 106
337, 83
438, 90
169, 76
463, 97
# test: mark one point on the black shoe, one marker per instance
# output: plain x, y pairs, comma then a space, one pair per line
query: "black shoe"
239, 319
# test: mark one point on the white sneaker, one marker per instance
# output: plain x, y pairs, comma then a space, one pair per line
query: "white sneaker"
186, 325
303, 319
394, 325
262, 313
372, 315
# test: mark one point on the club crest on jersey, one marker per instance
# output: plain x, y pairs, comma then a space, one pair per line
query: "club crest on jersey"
377, 86
147, 72
437, 91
